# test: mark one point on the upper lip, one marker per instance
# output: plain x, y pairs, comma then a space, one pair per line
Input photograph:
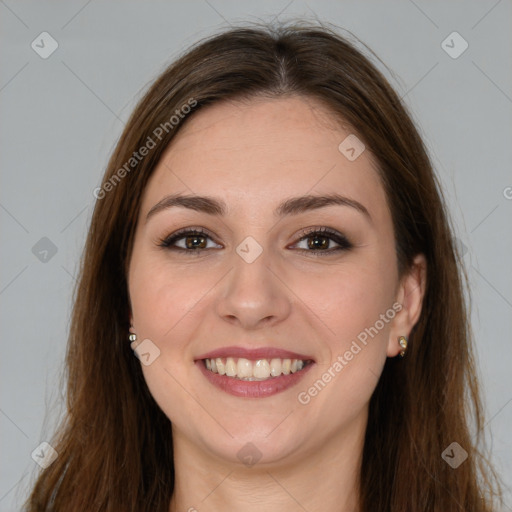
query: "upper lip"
254, 353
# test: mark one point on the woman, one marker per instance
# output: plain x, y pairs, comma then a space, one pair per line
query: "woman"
270, 312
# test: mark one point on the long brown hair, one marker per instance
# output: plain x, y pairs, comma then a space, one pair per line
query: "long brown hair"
115, 443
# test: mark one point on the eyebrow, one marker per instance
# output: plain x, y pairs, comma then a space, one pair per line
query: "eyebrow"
291, 206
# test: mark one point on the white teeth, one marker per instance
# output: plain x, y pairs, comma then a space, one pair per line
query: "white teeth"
262, 369
221, 368
230, 367
275, 367
244, 368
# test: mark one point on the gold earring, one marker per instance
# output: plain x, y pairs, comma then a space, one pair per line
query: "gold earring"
402, 341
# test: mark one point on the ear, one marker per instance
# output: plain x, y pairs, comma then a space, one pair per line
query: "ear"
410, 295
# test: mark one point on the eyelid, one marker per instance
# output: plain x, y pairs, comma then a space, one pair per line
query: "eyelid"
339, 238
343, 242
319, 229
183, 232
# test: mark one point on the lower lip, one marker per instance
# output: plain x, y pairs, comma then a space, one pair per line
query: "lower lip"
255, 388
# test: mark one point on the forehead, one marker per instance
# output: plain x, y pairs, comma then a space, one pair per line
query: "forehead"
261, 151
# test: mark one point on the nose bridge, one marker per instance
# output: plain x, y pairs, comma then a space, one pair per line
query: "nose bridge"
252, 291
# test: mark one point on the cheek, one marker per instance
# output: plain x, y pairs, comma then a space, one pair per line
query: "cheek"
352, 304
164, 303
161, 296
355, 302
347, 299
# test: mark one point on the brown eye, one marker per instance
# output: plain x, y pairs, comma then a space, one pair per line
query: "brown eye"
195, 241
319, 241
187, 240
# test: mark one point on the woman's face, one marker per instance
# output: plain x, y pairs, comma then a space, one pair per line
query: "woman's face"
259, 287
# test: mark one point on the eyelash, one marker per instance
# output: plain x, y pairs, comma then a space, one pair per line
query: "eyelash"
331, 234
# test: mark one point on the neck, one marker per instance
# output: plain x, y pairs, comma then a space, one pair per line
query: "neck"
326, 478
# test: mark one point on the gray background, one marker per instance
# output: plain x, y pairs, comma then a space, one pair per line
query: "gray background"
61, 117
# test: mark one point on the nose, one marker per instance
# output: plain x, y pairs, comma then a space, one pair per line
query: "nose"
253, 295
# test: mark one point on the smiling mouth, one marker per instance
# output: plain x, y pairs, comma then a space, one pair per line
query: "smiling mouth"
254, 370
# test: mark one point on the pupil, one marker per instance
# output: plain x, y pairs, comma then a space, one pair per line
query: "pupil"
324, 245
192, 239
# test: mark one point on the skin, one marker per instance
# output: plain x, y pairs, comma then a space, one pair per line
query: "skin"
254, 155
